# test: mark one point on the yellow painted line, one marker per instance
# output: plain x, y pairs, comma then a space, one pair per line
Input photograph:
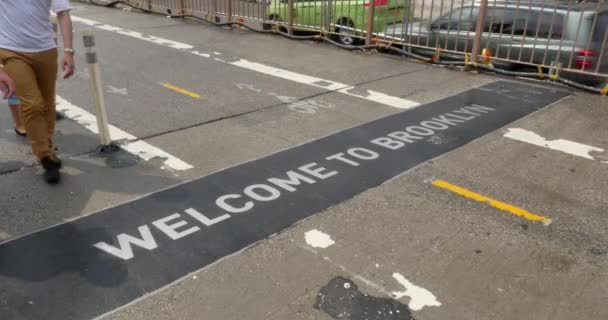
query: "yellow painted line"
494, 203
180, 90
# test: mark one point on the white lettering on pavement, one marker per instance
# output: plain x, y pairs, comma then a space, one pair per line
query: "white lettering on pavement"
176, 226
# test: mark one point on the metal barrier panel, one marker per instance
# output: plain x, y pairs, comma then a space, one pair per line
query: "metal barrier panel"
350, 21
297, 14
255, 10
570, 35
565, 35
168, 7
204, 9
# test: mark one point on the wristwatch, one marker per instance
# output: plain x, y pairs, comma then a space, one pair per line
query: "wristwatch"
69, 50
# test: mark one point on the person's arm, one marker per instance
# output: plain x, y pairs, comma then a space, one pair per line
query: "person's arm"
64, 20
7, 86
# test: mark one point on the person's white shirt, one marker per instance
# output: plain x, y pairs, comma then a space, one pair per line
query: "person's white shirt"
61, 5
25, 26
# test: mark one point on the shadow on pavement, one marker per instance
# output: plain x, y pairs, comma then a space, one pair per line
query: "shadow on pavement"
28, 204
47, 255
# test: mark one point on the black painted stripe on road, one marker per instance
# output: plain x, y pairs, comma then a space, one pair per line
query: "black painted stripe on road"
90, 266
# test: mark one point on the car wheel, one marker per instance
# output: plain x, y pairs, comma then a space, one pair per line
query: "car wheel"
346, 34
277, 19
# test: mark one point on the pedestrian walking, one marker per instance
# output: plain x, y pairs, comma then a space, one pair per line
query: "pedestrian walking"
29, 55
13, 101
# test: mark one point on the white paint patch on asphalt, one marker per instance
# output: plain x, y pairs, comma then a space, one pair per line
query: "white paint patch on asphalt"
204, 55
289, 75
565, 146
308, 106
140, 148
419, 297
134, 34
370, 95
249, 87
382, 98
318, 239
358, 277
355, 276
114, 90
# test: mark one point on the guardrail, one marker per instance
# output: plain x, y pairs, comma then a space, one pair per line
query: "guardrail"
560, 36
555, 38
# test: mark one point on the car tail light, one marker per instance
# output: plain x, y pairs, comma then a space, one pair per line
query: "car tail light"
582, 58
378, 3
585, 53
584, 64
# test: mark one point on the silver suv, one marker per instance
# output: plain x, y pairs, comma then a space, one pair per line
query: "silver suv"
536, 33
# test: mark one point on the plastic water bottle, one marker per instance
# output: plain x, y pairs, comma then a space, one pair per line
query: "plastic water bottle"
14, 100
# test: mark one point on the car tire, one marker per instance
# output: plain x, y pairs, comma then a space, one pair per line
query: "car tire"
347, 36
269, 26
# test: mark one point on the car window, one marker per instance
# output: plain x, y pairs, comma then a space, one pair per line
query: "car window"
463, 19
601, 27
524, 22
551, 25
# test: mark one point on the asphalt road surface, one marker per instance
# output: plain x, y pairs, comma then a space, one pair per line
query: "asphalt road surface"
266, 178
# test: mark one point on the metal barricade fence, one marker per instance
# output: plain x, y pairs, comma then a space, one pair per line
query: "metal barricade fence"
168, 7
567, 36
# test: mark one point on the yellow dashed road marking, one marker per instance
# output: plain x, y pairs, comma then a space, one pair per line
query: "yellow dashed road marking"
494, 203
180, 90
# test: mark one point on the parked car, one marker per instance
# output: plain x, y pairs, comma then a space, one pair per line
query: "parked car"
521, 31
347, 18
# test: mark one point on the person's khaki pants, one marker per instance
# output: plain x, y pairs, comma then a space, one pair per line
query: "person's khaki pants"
35, 76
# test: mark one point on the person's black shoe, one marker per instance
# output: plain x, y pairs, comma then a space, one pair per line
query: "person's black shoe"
51, 170
59, 116
57, 162
51, 176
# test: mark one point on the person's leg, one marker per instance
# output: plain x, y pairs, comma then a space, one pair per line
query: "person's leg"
18, 119
21, 68
46, 72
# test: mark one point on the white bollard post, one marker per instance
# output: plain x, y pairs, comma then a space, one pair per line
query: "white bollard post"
96, 87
